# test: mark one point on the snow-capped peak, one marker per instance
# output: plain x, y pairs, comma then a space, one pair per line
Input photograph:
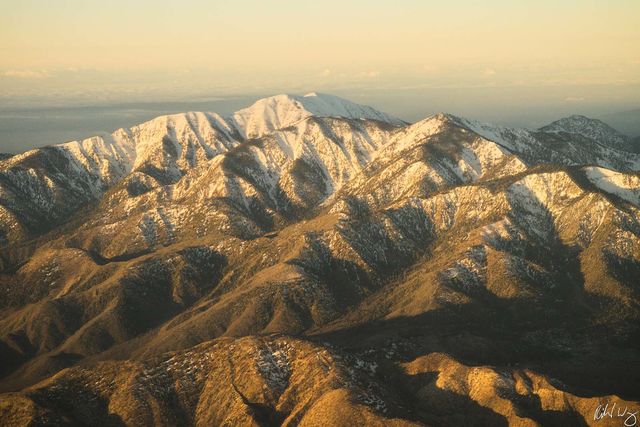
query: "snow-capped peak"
594, 129
281, 111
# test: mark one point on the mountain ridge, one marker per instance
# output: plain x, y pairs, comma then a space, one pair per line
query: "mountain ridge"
422, 249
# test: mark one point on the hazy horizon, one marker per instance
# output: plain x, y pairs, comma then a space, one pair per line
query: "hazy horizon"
521, 64
27, 127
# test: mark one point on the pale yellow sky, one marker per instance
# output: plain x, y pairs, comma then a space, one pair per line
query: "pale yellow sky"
68, 46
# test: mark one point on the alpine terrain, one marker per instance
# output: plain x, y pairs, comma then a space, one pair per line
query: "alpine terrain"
311, 261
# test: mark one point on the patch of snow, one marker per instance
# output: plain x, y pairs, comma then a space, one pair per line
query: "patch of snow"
273, 364
513, 139
625, 186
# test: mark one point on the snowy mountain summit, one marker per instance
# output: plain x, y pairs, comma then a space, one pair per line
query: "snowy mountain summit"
281, 111
590, 128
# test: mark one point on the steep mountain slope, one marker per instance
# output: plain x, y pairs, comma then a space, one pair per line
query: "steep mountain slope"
430, 248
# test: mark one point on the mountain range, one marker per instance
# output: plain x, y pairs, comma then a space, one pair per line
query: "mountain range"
311, 261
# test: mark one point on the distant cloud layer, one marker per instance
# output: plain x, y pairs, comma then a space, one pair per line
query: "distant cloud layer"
489, 71
26, 74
